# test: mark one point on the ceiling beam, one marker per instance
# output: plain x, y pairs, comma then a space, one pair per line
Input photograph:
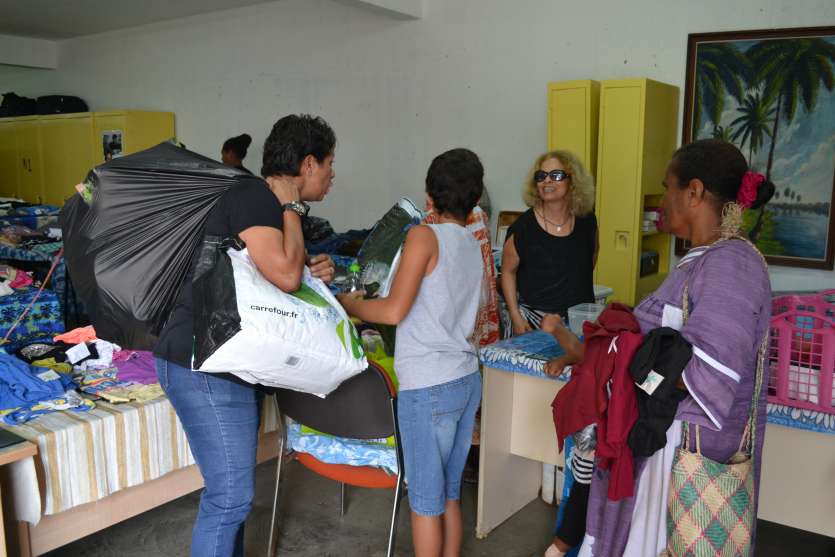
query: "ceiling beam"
28, 52
407, 9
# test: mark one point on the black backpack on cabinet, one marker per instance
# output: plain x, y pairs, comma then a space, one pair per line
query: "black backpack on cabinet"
15, 105
60, 104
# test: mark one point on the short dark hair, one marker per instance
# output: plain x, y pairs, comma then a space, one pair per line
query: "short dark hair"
292, 139
238, 145
455, 181
720, 166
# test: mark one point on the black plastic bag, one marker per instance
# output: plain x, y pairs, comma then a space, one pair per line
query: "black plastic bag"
130, 249
216, 318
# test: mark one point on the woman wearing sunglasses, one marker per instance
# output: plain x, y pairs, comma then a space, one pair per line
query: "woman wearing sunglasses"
551, 250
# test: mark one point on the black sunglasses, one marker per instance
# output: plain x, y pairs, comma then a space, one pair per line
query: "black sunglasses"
556, 175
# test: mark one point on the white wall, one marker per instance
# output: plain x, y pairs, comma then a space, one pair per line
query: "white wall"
23, 51
397, 92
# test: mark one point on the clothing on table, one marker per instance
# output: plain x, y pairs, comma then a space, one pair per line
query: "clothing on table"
21, 280
555, 272
486, 330
58, 352
5, 289
246, 204
601, 392
105, 351
77, 336
436, 429
656, 368
54, 365
138, 367
27, 391
434, 341
730, 306
107, 384
221, 419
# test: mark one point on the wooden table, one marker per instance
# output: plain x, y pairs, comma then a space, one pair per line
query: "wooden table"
517, 428
10, 454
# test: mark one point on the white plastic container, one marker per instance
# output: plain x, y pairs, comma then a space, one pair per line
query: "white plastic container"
601, 293
579, 314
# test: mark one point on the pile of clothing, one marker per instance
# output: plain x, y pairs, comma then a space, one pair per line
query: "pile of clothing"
12, 279
71, 372
626, 386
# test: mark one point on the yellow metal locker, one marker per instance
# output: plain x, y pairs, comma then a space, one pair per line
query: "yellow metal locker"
67, 152
638, 119
8, 159
573, 108
29, 165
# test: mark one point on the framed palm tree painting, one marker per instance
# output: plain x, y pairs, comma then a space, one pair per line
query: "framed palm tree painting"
772, 93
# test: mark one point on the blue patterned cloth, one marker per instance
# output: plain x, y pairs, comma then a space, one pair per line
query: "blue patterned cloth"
528, 353
339, 450
34, 216
43, 321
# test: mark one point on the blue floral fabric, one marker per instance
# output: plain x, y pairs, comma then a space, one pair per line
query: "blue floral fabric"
339, 450
43, 321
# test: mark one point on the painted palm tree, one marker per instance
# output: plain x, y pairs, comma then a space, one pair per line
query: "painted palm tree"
725, 133
791, 71
721, 69
754, 125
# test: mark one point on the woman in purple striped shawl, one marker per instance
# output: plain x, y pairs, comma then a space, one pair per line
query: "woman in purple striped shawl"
708, 185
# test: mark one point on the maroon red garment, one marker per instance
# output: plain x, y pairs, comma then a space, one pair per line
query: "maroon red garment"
610, 345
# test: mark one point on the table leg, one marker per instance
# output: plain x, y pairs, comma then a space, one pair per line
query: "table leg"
2, 531
506, 482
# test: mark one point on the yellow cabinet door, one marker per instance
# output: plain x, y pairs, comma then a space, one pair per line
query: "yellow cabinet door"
127, 132
618, 188
109, 132
66, 146
29, 168
8, 159
573, 108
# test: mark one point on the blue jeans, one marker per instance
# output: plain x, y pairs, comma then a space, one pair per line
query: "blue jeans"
436, 429
220, 418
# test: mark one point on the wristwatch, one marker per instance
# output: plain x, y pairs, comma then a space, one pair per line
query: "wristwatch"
297, 207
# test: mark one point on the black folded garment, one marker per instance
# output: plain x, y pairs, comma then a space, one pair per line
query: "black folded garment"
656, 368
41, 351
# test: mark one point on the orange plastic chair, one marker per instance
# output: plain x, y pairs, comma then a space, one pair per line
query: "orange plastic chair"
363, 407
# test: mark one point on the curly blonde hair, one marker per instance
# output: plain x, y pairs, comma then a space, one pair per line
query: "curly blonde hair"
581, 187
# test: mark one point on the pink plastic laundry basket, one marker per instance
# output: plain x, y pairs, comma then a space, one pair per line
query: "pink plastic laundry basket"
802, 351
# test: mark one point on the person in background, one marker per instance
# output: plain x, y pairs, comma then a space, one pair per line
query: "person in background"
725, 278
434, 301
551, 250
220, 414
573, 526
233, 151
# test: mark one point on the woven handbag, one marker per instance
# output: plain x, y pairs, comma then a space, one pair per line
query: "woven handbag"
711, 505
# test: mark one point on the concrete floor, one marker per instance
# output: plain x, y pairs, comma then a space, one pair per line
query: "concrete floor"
311, 526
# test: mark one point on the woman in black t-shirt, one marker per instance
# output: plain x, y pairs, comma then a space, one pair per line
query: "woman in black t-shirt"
550, 251
219, 414
233, 151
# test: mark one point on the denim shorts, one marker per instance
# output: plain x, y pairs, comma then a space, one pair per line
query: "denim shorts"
436, 430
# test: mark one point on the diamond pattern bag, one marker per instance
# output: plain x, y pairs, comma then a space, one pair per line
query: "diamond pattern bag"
710, 506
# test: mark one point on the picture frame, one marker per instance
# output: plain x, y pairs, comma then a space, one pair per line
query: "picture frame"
771, 93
